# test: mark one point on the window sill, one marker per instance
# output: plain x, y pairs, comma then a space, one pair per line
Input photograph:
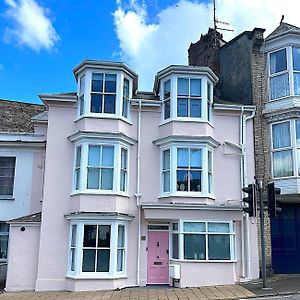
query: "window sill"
201, 261
187, 195
190, 120
2, 197
96, 276
104, 116
110, 193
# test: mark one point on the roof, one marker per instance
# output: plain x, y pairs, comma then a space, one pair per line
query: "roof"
42, 117
16, 116
283, 28
33, 218
145, 96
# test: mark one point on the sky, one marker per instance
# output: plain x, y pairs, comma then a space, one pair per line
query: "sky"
42, 41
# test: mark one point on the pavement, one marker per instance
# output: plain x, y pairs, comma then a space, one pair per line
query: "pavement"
277, 286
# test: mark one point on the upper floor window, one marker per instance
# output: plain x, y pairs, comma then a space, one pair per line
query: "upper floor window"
81, 95
189, 97
103, 93
186, 98
286, 149
284, 72
101, 167
187, 170
125, 106
7, 176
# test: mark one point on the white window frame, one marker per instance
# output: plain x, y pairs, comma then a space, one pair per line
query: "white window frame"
118, 145
290, 71
173, 176
173, 99
81, 96
5, 234
167, 99
119, 95
181, 232
6, 197
112, 273
293, 147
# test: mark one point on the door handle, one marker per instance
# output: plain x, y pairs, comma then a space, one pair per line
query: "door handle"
167, 251
157, 244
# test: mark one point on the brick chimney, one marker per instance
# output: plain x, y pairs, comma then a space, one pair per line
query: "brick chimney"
205, 51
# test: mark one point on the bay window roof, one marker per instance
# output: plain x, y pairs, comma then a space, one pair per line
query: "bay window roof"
183, 70
105, 65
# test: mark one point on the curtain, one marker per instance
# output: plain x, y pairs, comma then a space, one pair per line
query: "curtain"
281, 135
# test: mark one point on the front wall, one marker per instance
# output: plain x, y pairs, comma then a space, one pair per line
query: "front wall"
23, 255
27, 183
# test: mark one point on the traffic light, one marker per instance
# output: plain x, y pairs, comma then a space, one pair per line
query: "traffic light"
250, 200
273, 203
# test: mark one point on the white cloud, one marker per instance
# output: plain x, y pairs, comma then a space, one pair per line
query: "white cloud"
149, 47
31, 26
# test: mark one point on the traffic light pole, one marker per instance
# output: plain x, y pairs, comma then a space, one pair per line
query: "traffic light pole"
262, 234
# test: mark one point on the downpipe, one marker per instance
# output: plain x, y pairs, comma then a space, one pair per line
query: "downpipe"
138, 194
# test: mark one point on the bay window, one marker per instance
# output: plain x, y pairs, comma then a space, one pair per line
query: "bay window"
285, 148
284, 72
104, 94
186, 98
97, 248
203, 240
187, 170
101, 167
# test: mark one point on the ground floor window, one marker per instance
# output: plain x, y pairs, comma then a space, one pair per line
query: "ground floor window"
203, 240
97, 248
4, 231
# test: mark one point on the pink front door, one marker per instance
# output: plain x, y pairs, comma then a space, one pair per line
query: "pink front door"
158, 257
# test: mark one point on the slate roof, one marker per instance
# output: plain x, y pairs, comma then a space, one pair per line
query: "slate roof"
41, 117
145, 96
33, 218
283, 27
16, 116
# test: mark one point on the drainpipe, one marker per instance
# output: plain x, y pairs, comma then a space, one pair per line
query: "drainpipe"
244, 181
245, 173
138, 193
242, 193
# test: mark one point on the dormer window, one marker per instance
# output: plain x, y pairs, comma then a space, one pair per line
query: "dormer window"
284, 73
189, 97
103, 93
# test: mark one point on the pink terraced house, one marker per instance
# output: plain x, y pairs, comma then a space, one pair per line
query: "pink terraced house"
140, 188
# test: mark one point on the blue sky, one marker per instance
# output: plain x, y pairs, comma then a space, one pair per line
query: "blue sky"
41, 41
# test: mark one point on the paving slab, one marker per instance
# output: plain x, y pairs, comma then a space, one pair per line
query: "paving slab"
147, 293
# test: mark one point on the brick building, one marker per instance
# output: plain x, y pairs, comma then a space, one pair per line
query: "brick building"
265, 72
